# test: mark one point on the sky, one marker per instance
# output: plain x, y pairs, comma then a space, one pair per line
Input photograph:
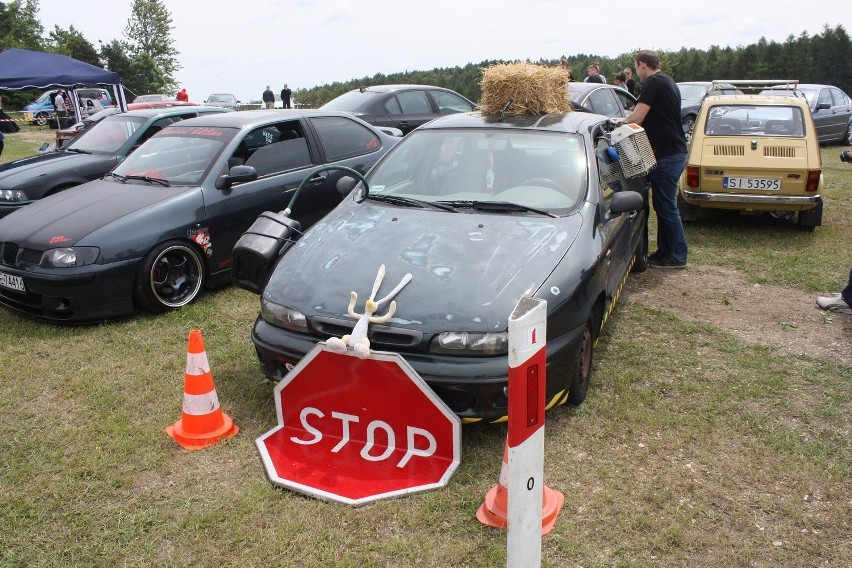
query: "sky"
231, 47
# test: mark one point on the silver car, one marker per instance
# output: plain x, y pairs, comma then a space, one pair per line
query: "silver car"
830, 107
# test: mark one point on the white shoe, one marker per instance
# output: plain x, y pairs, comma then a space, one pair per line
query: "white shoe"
834, 303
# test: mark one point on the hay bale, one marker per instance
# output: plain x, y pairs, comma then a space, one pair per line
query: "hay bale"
533, 89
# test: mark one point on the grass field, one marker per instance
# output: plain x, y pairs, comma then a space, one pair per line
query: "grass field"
694, 447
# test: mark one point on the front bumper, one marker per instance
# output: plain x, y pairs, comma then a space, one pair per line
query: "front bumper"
473, 387
73, 295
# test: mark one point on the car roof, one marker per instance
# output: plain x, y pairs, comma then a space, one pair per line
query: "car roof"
392, 88
568, 122
252, 118
168, 111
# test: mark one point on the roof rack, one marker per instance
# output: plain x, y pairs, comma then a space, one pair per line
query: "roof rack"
759, 84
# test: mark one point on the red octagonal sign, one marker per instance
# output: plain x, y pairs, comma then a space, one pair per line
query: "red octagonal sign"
357, 430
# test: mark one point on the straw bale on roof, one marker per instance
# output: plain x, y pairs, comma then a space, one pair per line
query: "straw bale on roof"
533, 89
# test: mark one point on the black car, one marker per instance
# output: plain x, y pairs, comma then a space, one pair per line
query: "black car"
401, 106
160, 227
481, 211
602, 98
89, 156
693, 93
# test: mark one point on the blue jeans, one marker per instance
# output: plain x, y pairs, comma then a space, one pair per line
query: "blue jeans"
671, 241
846, 293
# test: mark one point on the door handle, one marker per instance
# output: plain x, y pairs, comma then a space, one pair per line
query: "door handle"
318, 177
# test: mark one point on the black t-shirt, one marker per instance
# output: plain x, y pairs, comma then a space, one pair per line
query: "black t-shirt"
595, 79
662, 124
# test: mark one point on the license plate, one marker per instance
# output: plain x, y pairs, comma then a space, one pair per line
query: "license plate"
751, 183
12, 282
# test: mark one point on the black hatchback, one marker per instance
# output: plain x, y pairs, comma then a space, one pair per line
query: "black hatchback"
400, 106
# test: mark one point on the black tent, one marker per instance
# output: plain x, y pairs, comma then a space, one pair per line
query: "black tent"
22, 70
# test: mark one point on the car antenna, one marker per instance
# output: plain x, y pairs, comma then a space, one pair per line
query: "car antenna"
505, 107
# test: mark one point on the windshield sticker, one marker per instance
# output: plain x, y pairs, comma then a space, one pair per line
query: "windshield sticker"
201, 236
377, 188
157, 174
200, 131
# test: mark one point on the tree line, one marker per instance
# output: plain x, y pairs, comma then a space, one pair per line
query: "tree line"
825, 58
143, 57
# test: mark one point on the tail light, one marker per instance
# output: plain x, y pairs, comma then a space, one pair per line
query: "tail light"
692, 176
813, 180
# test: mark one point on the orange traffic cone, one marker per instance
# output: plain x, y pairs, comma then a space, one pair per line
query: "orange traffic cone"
494, 510
202, 423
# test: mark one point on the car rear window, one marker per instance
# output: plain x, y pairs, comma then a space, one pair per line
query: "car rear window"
755, 120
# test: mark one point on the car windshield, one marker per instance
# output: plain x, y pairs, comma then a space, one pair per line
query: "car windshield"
106, 136
547, 171
347, 102
181, 155
755, 120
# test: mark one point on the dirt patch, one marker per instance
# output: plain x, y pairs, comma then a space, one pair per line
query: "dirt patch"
758, 314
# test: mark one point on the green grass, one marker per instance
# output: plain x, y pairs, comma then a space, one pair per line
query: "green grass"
693, 448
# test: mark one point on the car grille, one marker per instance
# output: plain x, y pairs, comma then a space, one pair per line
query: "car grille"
779, 151
381, 336
729, 150
12, 255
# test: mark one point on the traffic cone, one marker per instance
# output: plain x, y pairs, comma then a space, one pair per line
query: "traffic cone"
202, 422
494, 511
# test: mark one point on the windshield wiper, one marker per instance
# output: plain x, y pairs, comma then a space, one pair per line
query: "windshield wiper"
408, 201
497, 206
77, 150
119, 177
161, 181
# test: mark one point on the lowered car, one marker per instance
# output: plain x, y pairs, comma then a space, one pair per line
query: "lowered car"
602, 98
481, 211
89, 156
754, 154
400, 106
159, 228
693, 93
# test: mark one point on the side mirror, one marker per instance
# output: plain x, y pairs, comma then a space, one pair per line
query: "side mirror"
237, 174
623, 202
823, 106
345, 185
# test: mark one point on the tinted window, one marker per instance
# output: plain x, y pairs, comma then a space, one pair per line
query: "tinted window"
840, 98
449, 103
414, 102
343, 138
824, 97
274, 149
602, 102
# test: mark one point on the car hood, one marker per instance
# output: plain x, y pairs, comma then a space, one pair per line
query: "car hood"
469, 270
27, 171
67, 217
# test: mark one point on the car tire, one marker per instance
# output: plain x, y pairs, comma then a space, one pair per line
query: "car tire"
41, 119
581, 375
687, 212
849, 134
688, 124
640, 255
171, 276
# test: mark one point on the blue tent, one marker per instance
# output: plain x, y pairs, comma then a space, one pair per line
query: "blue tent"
22, 70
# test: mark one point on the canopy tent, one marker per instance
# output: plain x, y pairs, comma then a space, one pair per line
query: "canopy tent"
22, 70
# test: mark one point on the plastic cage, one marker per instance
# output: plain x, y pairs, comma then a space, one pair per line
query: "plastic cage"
634, 150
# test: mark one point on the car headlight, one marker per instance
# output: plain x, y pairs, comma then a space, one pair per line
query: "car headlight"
469, 343
12, 195
69, 257
282, 316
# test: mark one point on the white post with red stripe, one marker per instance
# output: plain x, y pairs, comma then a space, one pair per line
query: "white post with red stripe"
527, 361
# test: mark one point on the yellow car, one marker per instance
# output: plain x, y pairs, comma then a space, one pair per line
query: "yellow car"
756, 154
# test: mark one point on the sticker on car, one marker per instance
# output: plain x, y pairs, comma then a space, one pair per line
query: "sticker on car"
772, 184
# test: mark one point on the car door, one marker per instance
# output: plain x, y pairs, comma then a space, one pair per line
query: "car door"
409, 109
842, 110
827, 120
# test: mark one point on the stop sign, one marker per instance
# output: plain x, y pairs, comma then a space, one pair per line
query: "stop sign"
357, 430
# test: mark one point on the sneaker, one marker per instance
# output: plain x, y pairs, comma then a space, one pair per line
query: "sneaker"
655, 256
834, 303
666, 262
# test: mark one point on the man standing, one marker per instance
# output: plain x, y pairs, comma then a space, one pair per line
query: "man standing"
59, 104
285, 96
182, 95
269, 98
594, 74
658, 112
